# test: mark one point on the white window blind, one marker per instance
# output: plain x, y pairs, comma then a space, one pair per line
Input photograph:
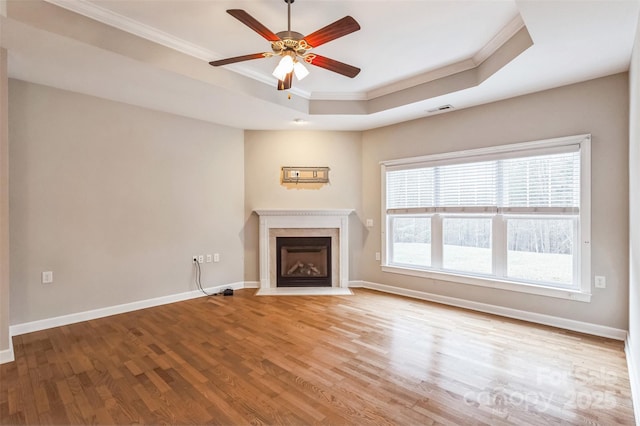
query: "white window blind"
410, 189
469, 184
547, 183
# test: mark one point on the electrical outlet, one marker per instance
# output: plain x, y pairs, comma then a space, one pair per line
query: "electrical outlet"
601, 281
195, 258
369, 223
47, 277
201, 258
209, 257
377, 255
295, 173
216, 257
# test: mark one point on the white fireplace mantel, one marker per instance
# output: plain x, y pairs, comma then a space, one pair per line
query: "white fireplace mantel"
272, 219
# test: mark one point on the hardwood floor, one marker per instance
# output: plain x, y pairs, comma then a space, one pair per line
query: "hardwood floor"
371, 358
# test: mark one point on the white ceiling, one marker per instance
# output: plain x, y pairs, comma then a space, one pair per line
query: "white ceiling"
401, 44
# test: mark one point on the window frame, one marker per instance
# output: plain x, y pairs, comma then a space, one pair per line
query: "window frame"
580, 292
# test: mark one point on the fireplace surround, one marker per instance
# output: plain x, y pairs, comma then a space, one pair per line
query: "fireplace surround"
304, 223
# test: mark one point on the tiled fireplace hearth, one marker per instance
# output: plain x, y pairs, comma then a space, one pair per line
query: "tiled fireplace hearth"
296, 224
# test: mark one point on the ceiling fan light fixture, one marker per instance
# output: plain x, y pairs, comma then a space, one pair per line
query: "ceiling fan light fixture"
285, 66
285, 84
300, 71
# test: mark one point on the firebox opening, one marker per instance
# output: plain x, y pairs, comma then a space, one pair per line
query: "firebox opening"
303, 261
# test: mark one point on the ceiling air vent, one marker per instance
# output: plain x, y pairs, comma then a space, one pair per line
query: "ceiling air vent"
441, 108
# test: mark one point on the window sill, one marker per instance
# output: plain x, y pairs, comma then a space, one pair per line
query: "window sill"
560, 293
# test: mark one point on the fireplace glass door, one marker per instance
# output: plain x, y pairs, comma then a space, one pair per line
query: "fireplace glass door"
303, 261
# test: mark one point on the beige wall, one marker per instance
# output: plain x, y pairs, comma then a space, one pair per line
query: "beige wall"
267, 151
4, 206
116, 202
634, 215
599, 107
115, 199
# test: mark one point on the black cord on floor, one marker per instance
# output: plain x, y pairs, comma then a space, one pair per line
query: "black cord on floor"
198, 275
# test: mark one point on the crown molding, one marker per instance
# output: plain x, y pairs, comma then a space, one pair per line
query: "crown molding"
463, 74
338, 96
121, 22
443, 85
504, 35
105, 16
432, 75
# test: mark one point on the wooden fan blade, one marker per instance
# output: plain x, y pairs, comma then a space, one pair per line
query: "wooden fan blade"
340, 28
333, 65
286, 83
253, 23
237, 59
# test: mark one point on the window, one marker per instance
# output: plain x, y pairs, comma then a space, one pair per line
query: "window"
514, 217
466, 244
411, 240
541, 249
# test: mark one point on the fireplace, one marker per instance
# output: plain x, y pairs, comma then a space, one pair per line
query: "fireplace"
330, 224
303, 261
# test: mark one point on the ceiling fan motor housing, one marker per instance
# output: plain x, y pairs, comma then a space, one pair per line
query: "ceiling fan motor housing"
290, 40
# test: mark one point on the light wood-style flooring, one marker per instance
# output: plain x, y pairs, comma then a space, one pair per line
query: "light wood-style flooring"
371, 358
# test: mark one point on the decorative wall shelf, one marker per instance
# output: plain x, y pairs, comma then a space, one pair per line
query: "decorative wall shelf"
305, 174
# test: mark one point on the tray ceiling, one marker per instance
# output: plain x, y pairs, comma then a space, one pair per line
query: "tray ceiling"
415, 55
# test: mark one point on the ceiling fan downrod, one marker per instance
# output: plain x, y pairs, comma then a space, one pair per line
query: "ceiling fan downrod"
290, 41
288, 2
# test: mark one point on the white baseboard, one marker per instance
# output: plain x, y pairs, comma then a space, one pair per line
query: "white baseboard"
634, 378
29, 327
7, 354
252, 284
568, 324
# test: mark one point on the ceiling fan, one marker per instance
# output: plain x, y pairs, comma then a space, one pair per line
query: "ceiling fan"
293, 47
